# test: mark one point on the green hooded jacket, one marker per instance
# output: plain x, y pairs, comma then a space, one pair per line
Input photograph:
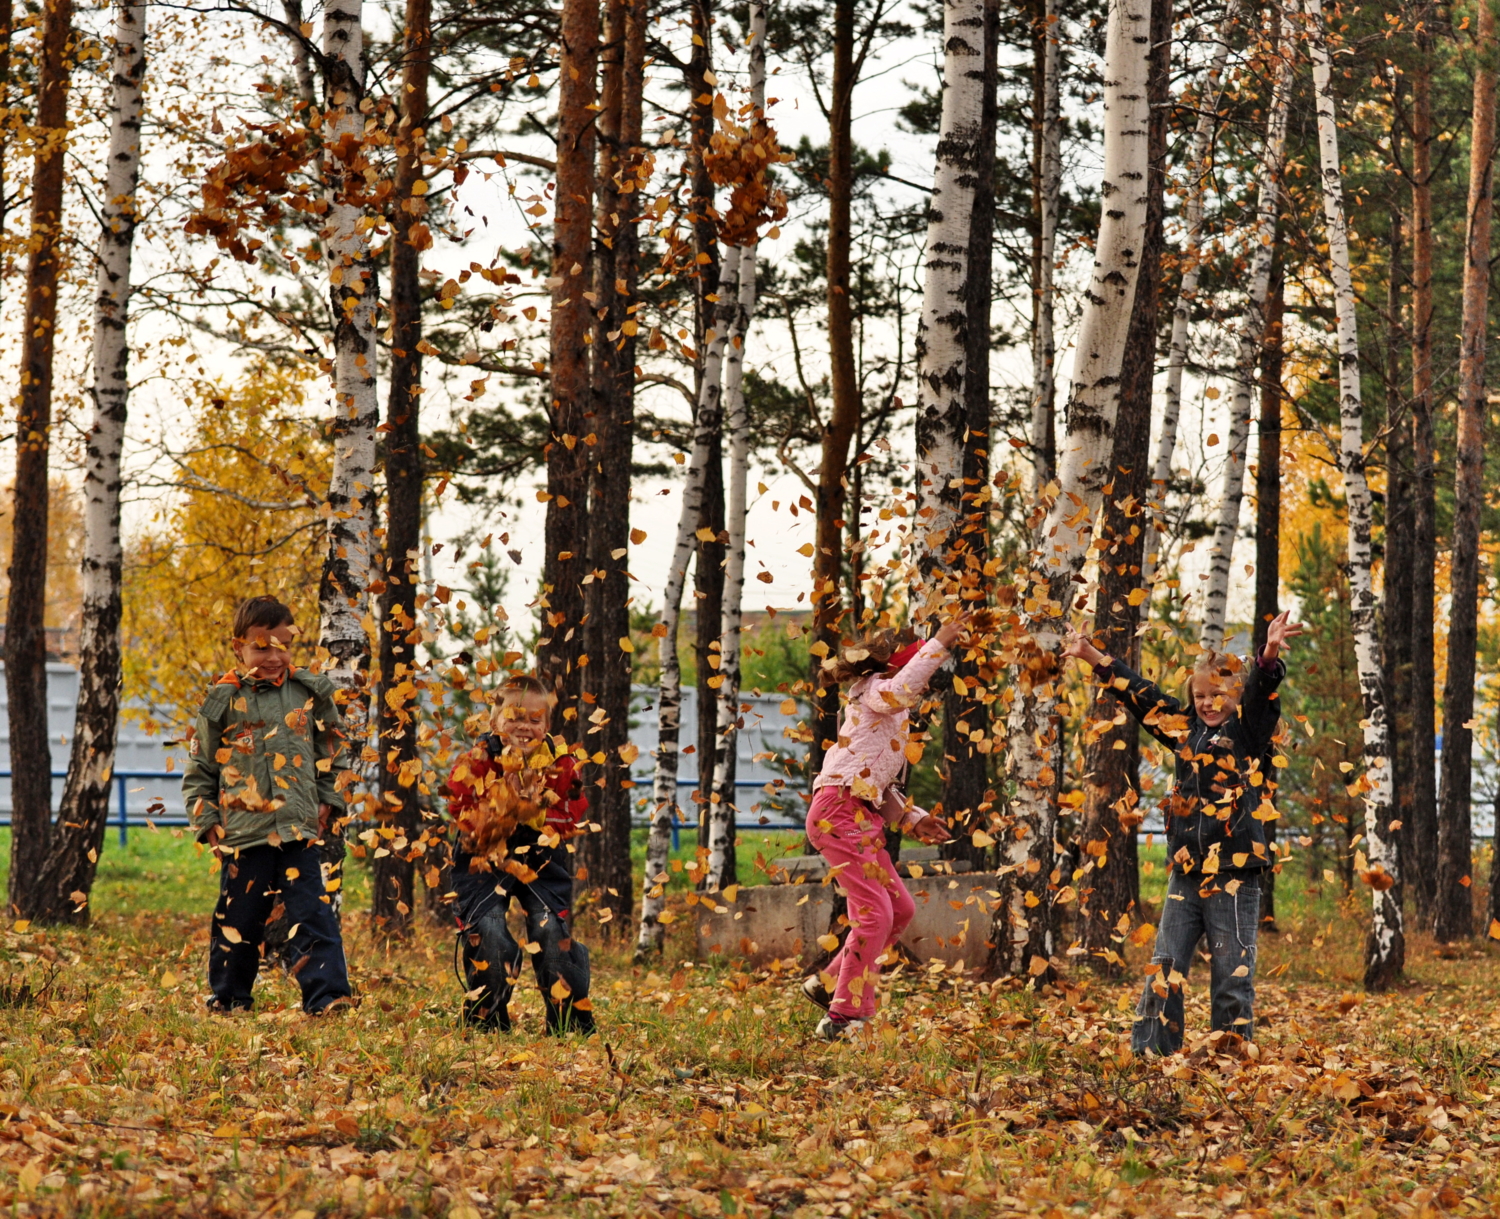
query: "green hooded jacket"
261, 758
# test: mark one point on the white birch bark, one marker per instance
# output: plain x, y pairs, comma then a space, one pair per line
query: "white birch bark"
1199, 167
738, 414
1044, 340
91, 762
353, 293
1024, 931
1386, 946
1252, 336
942, 327
669, 691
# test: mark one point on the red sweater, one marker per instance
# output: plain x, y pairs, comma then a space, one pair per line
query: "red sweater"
564, 816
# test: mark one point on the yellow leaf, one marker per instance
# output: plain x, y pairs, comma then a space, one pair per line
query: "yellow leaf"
1143, 934
232, 935
1039, 965
805, 550
666, 918
982, 840
789, 706
629, 753
731, 893
560, 990
1495, 928
1137, 595
626, 645
1242, 972
828, 943
637, 536
21, 926
959, 688
169, 980
914, 750
706, 534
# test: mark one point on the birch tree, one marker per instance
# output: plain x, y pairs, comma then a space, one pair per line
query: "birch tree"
942, 326
1023, 934
1386, 947
1044, 337
721, 807
669, 689
1262, 239
25, 622
1453, 912
1200, 170
79, 834
353, 293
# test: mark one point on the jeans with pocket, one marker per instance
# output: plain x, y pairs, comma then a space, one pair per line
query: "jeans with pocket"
1230, 921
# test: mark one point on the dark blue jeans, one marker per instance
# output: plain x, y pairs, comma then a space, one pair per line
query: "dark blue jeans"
492, 958
254, 888
1230, 921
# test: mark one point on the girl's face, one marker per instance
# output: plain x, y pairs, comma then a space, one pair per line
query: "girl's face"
1214, 699
522, 721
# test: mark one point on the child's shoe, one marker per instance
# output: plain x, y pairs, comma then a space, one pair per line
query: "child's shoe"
839, 1028
334, 1007
816, 993
476, 1015
217, 1007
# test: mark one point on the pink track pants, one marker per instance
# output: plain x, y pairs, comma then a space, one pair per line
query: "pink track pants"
850, 835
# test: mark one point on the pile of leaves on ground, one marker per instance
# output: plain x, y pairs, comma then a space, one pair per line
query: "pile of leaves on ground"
706, 1094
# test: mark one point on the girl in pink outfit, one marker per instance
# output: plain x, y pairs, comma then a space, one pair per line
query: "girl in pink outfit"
853, 804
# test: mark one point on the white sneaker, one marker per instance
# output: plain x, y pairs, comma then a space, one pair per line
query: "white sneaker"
838, 1028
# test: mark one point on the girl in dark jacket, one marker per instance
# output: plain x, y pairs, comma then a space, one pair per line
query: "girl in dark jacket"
1215, 821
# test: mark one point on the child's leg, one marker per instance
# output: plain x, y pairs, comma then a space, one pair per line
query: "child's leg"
1159, 1015
562, 965
903, 908
317, 949
244, 905
1233, 922
849, 836
491, 956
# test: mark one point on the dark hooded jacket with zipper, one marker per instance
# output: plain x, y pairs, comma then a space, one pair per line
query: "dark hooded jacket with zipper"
1217, 809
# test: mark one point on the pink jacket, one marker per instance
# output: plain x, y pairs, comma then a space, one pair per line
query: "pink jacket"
871, 749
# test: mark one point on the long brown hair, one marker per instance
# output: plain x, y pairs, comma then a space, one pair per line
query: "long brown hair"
869, 655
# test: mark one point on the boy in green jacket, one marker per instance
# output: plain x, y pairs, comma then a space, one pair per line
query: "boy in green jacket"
260, 789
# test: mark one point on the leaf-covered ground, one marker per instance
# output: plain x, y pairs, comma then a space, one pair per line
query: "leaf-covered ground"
706, 1093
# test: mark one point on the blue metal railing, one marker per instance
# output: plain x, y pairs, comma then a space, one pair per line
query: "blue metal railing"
123, 819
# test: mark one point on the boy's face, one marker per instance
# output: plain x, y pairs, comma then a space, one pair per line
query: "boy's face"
1214, 699
522, 721
266, 653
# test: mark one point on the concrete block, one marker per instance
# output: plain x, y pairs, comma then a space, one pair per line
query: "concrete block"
774, 922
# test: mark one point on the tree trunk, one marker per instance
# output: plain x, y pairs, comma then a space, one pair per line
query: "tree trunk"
1385, 949
1112, 745
393, 893
606, 679
25, 611
7, 36
1262, 239
1396, 624
1422, 876
561, 646
846, 407
723, 812
1201, 168
79, 834
952, 392
708, 567
1049, 203
1024, 930
669, 692
353, 293
1268, 521
1454, 908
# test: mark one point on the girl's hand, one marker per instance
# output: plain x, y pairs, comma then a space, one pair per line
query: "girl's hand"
1080, 646
1279, 631
948, 633
930, 830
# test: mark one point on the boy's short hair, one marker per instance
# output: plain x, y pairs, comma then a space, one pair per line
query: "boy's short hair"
263, 612
519, 685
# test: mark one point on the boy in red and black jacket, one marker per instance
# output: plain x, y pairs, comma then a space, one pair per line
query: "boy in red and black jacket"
517, 801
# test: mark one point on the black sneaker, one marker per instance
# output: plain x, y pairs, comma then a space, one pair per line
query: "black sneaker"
477, 1015
839, 1028
816, 993
217, 1007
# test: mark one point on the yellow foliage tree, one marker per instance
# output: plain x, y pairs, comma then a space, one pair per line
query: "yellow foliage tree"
64, 552
242, 519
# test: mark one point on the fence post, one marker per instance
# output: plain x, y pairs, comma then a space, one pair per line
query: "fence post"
124, 819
